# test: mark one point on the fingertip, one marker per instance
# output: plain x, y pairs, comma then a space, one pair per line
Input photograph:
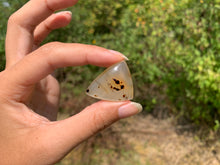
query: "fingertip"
129, 109
119, 54
106, 58
104, 105
67, 14
117, 110
60, 19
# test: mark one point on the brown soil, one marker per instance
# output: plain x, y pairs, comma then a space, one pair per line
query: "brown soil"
143, 140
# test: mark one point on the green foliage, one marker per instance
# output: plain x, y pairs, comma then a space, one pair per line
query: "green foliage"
217, 125
172, 45
169, 43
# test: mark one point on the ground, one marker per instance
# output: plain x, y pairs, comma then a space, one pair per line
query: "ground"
143, 140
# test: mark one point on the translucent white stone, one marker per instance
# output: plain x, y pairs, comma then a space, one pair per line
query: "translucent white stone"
114, 84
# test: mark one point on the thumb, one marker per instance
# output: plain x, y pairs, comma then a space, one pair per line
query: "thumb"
72, 131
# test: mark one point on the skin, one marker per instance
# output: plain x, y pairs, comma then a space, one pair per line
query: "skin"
29, 97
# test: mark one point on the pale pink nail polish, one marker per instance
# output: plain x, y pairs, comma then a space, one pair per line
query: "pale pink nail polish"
129, 109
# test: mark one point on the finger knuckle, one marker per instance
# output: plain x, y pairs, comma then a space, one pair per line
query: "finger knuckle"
12, 19
49, 52
17, 20
51, 48
53, 44
99, 121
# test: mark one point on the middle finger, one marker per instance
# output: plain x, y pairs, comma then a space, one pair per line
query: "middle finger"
19, 38
53, 22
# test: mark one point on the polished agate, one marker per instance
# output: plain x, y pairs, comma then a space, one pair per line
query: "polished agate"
114, 84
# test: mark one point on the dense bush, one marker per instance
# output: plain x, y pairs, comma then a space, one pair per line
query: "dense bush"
173, 45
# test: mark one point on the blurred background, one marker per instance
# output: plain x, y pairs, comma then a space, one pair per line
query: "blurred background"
173, 48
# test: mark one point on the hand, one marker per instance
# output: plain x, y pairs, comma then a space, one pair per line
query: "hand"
29, 95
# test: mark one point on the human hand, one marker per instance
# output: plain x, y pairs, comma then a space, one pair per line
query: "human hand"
29, 95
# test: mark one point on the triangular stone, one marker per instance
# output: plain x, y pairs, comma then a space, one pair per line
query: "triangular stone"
114, 84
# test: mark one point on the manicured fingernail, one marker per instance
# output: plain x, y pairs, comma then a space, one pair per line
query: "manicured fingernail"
68, 12
118, 53
65, 12
129, 109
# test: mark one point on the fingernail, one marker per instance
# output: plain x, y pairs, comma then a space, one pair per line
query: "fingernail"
118, 53
129, 109
65, 12
68, 12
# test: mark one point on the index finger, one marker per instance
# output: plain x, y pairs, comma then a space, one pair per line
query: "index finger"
46, 59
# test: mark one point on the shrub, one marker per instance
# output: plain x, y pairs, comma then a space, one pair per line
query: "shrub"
172, 45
